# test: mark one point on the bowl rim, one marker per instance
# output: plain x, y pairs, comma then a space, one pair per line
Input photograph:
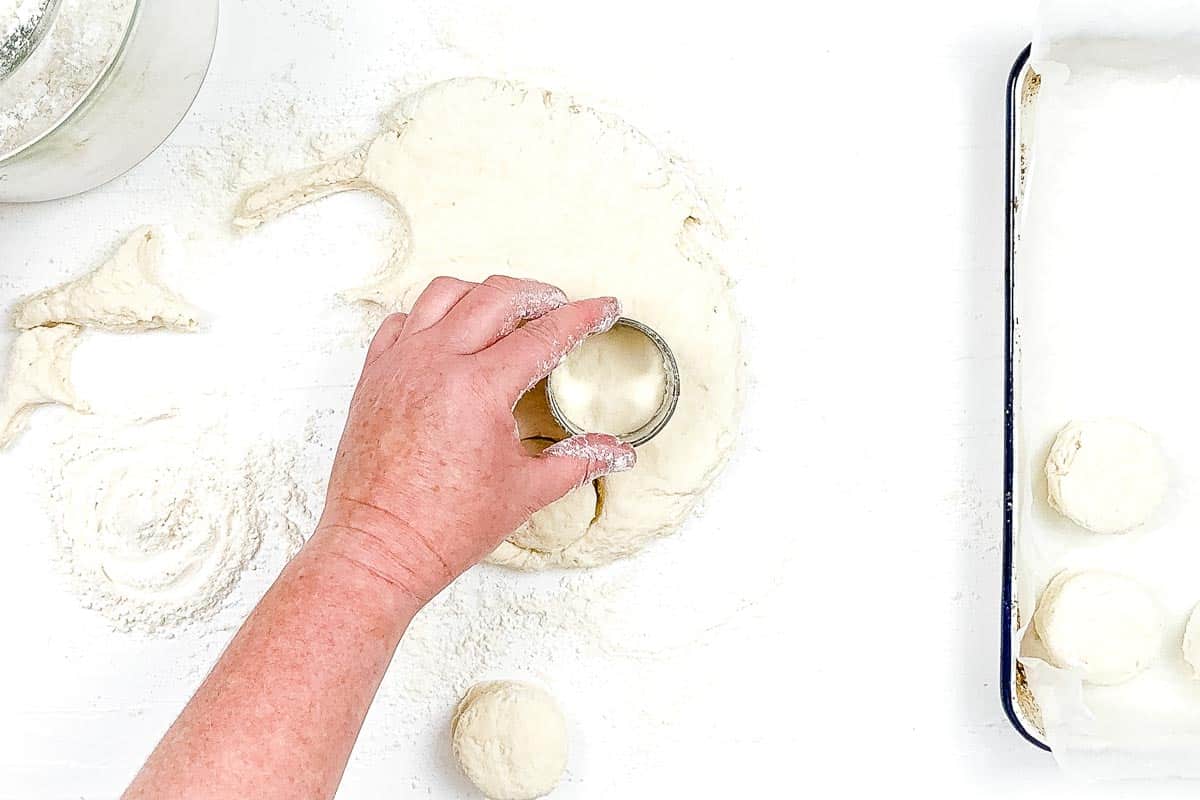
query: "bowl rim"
101, 78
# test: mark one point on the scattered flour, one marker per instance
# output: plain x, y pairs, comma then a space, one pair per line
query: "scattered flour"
157, 519
78, 46
488, 623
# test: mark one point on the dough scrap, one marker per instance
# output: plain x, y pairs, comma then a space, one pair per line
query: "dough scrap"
510, 740
39, 373
1105, 626
492, 176
1106, 475
123, 294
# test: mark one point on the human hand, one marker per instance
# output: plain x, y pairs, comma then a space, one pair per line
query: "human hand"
430, 475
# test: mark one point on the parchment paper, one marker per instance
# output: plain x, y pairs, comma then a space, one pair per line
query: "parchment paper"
1148, 36
1108, 267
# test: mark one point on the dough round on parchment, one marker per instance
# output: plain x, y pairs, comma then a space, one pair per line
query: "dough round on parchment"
1105, 626
510, 740
1106, 475
491, 175
563, 522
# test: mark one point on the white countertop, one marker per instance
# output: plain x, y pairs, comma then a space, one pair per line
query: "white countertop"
856, 539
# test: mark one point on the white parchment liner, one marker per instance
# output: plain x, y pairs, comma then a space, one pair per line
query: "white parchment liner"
1108, 309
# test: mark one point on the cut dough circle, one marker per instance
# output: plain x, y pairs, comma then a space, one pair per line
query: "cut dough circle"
563, 522
510, 740
613, 383
492, 176
1107, 627
1106, 475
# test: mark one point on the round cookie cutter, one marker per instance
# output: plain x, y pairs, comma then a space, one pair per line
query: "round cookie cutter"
670, 402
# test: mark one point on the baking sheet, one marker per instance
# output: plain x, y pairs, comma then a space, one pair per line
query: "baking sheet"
1105, 276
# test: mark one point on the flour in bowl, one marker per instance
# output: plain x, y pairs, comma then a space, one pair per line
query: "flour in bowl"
80, 43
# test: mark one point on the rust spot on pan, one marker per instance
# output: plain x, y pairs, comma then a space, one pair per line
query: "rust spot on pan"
1027, 702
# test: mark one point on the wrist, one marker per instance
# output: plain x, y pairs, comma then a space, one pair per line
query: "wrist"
385, 547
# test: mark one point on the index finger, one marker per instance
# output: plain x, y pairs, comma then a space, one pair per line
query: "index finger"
530, 353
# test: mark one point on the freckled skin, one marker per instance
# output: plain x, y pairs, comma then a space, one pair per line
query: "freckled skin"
429, 477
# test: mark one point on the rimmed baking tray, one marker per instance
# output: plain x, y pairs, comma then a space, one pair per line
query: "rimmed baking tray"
1019, 704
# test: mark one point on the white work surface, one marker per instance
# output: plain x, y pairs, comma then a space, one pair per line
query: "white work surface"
833, 627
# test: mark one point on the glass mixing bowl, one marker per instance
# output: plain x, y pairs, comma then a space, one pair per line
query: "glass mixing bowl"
135, 103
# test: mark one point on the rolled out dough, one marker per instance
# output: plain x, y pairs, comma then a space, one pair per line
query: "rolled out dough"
495, 177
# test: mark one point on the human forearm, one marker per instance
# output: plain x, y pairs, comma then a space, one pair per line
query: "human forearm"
279, 713
430, 476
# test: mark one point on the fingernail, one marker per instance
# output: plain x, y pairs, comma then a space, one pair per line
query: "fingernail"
605, 455
623, 460
558, 295
612, 312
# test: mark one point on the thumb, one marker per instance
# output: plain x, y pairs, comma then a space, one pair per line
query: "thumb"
573, 462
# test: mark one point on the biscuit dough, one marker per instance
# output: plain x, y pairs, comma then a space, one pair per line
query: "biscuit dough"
1105, 626
510, 739
1106, 475
491, 176
124, 293
613, 383
39, 373
563, 522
